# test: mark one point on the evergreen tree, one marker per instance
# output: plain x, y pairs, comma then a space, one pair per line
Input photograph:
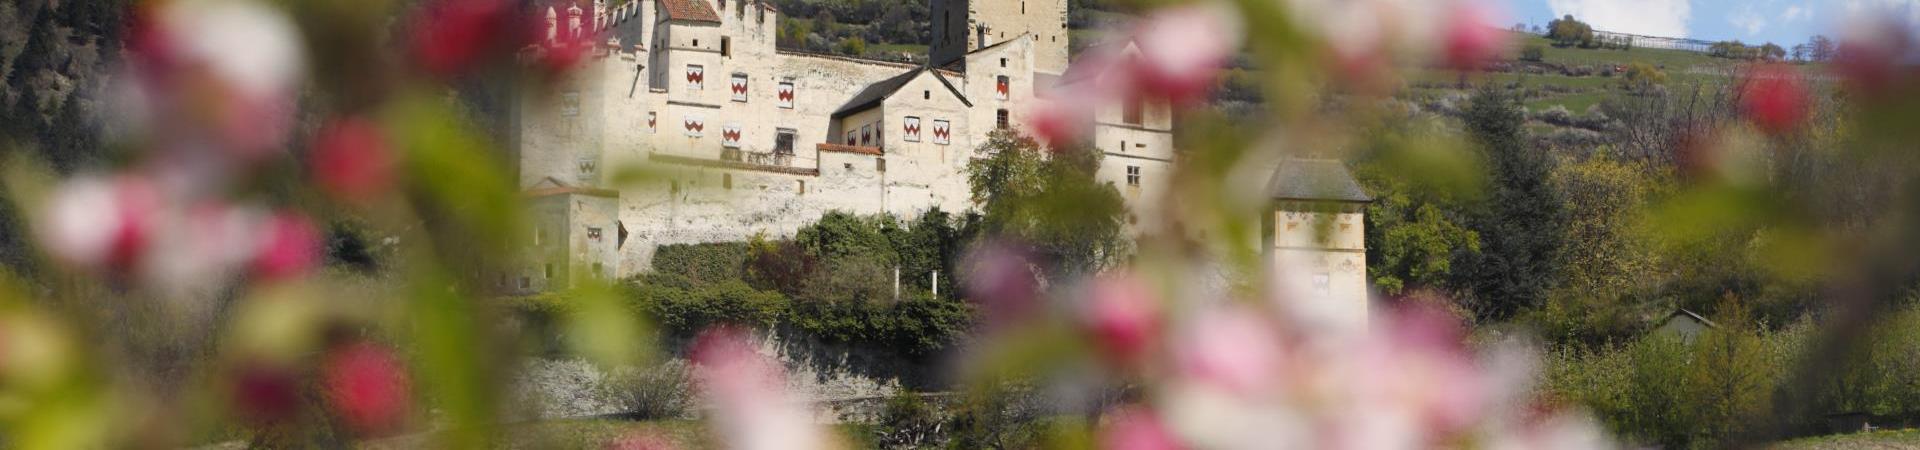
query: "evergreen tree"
1520, 224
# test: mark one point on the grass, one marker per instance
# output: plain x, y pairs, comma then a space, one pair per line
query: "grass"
1895, 439
600, 433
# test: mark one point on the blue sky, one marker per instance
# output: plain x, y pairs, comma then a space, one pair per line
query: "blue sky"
1785, 22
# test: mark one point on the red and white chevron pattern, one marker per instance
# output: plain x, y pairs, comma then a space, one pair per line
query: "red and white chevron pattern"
696, 76
653, 121
739, 88
730, 136
695, 126
786, 95
942, 132
1000, 89
912, 128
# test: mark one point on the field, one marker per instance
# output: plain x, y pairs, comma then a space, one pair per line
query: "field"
1897, 439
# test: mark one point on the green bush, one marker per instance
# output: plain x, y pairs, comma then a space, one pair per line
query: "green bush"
1533, 52
706, 263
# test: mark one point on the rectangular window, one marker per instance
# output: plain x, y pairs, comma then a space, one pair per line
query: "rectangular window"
1000, 119
549, 271
738, 86
696, 76
570, 104
695, 125
1131, 112
942, 132
866, 135
802, 188
726, 181
783, 142
853, 137
910, 129
539, 236
730, 135
1133, 175
786, 94
593, 233
726, 47
880, 164
1322, 284
1002, 87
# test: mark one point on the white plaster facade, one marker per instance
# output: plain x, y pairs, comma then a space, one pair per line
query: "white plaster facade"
739, 138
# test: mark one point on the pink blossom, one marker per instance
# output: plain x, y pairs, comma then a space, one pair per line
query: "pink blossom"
1182, 49
751, 408
352, 160
1471, 41
1137, 428
289, 246
367, 387
1869, 57
101, 223
1000, 278
219, 72
1060, 122
450, 37
265, 394
1123, 316
1230, 348
1775, 98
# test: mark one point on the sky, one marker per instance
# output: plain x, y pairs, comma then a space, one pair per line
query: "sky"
1785, 22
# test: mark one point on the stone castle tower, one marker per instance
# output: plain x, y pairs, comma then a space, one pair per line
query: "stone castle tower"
961, 26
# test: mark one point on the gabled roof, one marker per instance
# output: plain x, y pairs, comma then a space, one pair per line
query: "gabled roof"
1690, 314
1317, 180
877, 92
690, 10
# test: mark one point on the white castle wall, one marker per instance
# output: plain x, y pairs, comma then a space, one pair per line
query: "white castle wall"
630, 107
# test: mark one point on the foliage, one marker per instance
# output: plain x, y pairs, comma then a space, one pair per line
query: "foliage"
708, 262
1567, 32
1605, 259
908, 421
658, 391
1414, 231
1519, 224
1642, 77
1533, 52
1050, 201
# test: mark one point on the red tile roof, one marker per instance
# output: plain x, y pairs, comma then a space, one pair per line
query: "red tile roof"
849, 149
690, 10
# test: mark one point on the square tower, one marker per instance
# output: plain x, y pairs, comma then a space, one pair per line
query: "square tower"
961, 26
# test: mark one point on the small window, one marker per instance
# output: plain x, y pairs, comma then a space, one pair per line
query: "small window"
880, 164
1123, 146
726, 181
570, 104
1322, 284
1002, 87
696, 42
802, 188
1003, 63
539, 235
593, 233
783, 142
726, 46
926, 95
549, 271
1133, 175
1132, 111
1000, 119
1023, 6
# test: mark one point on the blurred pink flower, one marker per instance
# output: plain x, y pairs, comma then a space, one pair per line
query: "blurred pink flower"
101, 223
1870, 55
1416, 364
751, 408
289, 247
1124, 317
265, 394
1182, 50
1137, 428
352, 160
1001, 279
221, 72
1230, 348
1774, 97
1059, 122
1471, 40
367, 387
450, 37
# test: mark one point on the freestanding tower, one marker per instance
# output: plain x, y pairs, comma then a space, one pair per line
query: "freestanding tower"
1316, 240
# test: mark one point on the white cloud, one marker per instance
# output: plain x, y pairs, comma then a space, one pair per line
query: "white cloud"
1648, 17
1748, 20
1795, 12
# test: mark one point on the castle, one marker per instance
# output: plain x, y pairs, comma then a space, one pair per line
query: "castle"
746, 138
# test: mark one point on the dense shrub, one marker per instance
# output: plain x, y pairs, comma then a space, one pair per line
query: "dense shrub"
658, 391
710, 262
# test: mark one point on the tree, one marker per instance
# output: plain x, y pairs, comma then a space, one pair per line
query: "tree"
1568, 32
1642, 77
1820, 48
1520, 221
853, 46
1603, 260
1532, 53
1773, 52
1050, 201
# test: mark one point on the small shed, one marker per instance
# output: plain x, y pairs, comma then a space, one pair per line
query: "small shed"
1684, 323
